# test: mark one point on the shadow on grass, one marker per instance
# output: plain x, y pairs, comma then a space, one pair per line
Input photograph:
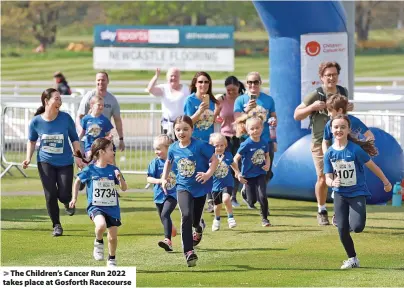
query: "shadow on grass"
270, 230
241, 268
241, 249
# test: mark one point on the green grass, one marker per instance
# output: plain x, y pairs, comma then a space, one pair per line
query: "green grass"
294, 252
18, 183
80, 68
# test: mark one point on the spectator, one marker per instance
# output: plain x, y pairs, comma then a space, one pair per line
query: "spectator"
314, 105
61, 84
234, 88
111, 105
173, 95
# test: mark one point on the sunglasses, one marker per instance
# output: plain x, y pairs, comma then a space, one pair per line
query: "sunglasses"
255, 82
203, 82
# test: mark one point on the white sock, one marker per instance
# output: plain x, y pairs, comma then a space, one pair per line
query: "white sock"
321, 208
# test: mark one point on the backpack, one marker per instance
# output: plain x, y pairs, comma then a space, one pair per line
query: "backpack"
323, 97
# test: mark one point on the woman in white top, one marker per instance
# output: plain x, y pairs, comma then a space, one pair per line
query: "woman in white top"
173, 97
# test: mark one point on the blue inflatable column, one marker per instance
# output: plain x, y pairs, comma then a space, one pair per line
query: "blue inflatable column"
294, 174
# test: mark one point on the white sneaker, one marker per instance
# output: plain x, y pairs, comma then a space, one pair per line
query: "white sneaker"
98, 252
232, 223
111, 263
350, 263
215, 225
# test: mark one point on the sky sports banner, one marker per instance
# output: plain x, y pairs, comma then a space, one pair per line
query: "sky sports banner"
317, 48
164, 36
190, 48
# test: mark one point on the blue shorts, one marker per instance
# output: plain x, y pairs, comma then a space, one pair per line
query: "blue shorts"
108, 219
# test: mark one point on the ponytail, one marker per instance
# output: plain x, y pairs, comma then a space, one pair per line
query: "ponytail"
241, 89
40, 110
367, 145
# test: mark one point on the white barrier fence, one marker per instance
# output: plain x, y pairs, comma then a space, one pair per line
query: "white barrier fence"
140, 128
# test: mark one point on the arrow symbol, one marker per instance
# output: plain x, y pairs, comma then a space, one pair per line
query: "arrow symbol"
5, 273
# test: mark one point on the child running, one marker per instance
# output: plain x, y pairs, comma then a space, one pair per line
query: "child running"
255, 162
102, 200
344, 171
95, 125
338, 104
192, 157
223, 181
165, 202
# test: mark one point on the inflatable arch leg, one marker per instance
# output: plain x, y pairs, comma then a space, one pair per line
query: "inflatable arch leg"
294, 172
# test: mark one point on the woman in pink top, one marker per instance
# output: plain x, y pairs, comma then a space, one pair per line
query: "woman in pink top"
234, 88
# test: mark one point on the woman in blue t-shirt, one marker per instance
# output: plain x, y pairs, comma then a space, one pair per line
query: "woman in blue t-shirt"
165, 202
344, 171
202, 107
102, 198
54, 129
192, 157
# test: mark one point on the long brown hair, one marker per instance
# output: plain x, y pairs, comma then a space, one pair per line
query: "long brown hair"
183, 118
336, 102
367, 145
46, 94
193, 85
98, 145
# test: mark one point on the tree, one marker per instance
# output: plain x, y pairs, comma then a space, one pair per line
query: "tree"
363, 18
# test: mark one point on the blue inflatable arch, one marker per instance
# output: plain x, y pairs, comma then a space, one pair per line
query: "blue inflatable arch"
294, 172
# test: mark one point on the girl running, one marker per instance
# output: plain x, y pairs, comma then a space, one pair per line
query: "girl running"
165, 202
255, 161
102, 199
344, 171
223, 181
192, 157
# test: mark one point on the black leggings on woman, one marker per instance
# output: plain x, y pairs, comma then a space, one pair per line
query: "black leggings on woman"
57, 184
165, 209
350, 214
191, 213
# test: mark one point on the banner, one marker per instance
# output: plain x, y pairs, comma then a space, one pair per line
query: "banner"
317, 48
186, 59
163, 36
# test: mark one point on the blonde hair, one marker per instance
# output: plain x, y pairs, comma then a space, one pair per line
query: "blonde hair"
217, 137
96, 98
240, 124
163, 139
256, 118
254, 73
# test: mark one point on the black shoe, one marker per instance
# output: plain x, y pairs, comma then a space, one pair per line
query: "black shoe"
191, 258
57, 230
82, 186
70, 211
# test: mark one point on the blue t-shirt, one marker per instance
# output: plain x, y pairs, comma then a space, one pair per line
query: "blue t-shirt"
253, 157
265, 106
101, 192
190, 160
222, 177
95, 127
204, 126
155, 170
54, 146
357, 127
348, 165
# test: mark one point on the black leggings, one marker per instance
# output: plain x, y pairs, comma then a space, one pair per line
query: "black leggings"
165, 209
350, 214
57, 184
256, 188
233, 143
191, 213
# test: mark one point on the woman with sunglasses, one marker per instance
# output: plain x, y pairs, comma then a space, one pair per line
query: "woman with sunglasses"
234, 88
201, 107
257, 103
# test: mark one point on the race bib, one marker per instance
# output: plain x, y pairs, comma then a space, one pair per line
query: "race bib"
345, 171
104, 193
52, 143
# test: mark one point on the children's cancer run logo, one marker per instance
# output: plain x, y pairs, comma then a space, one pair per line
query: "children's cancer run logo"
313, 48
